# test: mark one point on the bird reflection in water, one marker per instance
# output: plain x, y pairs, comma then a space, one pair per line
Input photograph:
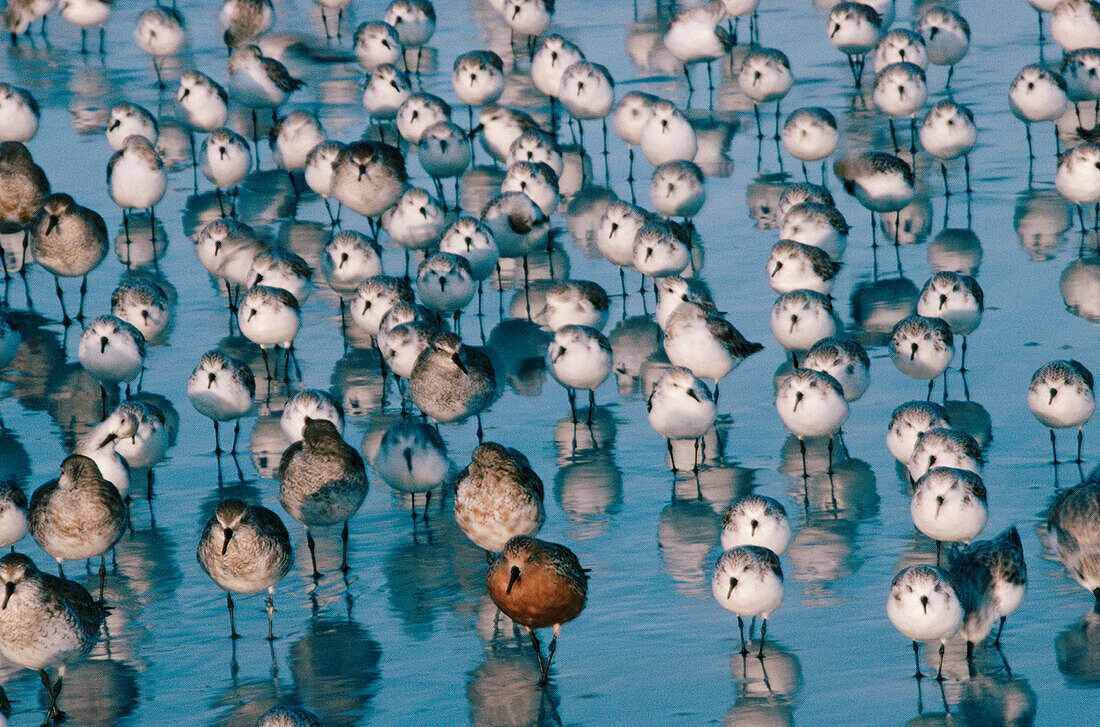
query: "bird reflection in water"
1080, 286
589, 488
1077, 649
520, 347
99, 691
767, 689
994, 696
504, 689
633, 340
878, 305
955, 249
335, 667
1041, 219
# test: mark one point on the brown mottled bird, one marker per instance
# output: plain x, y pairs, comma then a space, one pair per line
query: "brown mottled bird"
23, 187
45, 622
538, 584
79, 515
245, 549
322, 482
497, 497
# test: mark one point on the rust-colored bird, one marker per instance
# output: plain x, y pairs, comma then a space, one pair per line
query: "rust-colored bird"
538, 584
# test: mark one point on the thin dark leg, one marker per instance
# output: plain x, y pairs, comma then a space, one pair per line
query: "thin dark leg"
217, 440
236, 433
916, 658
65, 320
939, 673
802, 447
1080, 436
997, 641
671, 456
270, 617
313, 555
102, 576
538, 648
830, 470
763, 633
1030, 149
344, 538
232, 621
1053, 447
741, 628
550, 653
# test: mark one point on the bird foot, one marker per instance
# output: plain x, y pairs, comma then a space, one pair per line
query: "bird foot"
234, 636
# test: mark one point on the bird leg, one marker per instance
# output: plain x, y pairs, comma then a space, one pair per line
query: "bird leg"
54, 714
916, 659
270, 614
344, 538
538, 649
939, 673
102, 577
550, 651
232, 621
802, 447
763, 633
741, 628
671, 456
313, 556
1053, 447
217, 441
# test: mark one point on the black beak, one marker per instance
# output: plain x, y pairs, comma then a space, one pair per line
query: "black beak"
408, 458
362, 171
459, 364
512, 578
693, 395
943, 301
797, 400
939, 504
228, 537
778, 265
913, 355
733, 584
52, 224
115, 125
476, 129
213, 379
221, 152
9, 588
343, 259
108, 439
924, 603
1053, 393
103, 344
753, 525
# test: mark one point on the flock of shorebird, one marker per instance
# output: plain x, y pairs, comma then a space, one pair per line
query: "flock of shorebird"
48, 621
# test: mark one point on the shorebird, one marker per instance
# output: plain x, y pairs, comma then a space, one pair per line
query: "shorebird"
45, 622
322, 481
69, 241
498, 496
245, 549
749, 582
538, 584
78, 516
222, 389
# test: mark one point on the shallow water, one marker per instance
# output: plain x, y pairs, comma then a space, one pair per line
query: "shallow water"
411, 637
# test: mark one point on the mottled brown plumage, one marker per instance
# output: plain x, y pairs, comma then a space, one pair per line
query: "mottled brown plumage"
322, 481
245, 549
79, 515
23, 184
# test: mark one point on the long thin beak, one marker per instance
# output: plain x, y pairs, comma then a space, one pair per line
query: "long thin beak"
733, 584
9, 588
939, 504
103, 344
52, 224
797, 400
228, 537
924, 603
913, 354
512, 578
459, 364
213, 379
1053, 393
108, 439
